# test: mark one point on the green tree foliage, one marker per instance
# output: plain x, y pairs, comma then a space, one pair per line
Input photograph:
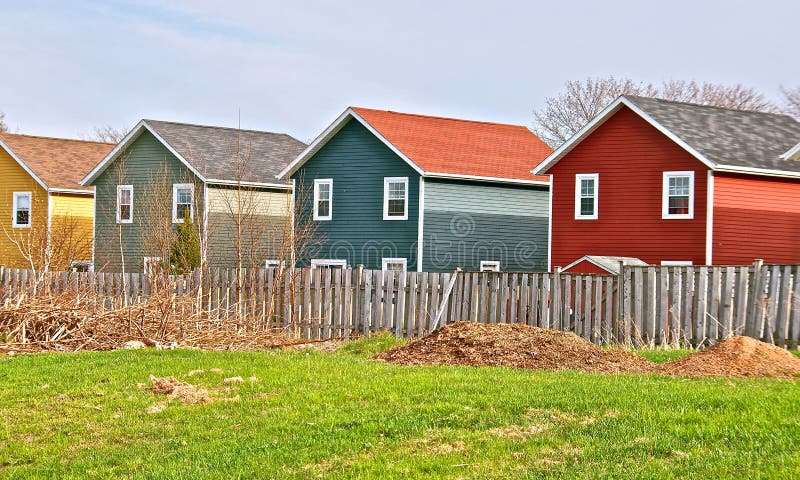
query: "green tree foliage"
185, 250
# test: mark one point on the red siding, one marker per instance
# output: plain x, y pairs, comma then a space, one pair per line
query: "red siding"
630, 155
586, 266
755, 217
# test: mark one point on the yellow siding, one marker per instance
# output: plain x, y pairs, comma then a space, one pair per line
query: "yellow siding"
71, 228
14, 241
268, 203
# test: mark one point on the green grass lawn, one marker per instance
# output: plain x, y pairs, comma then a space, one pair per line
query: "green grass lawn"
340, 415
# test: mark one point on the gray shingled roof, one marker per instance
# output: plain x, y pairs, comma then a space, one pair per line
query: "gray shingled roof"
728, 137
212, 150
611, 264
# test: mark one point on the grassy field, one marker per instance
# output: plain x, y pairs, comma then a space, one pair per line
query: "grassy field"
339, 415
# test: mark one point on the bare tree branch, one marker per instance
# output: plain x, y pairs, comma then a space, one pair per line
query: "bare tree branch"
106, 133
3, 125
792, 101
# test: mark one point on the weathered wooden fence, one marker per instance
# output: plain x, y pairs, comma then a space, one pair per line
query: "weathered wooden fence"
642, 305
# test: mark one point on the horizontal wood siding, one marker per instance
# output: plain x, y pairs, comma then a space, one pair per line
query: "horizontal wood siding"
756, 217
144, 162
13, 178
72, 223
357, 162
265, 224
630, 157
467, 222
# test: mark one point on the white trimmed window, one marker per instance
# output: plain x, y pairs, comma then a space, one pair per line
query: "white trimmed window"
395, 198
490, 266
678, 195
586, 186
182, 202
323, 199
22, 210
273, 263
394, 264
124, 203
328, 263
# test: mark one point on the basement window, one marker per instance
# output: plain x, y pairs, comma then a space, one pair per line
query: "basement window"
22, 210
678, 195
395, 198
124, 203
328, 263
490, 266
394, 264
586, 196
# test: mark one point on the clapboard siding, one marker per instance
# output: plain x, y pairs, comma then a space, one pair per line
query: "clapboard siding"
755, 217
467, 222
265, 220
13, 178
630, 157
357, 162
144, 164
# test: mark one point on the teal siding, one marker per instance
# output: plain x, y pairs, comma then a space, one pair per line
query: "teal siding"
467, 222
149, 167
358, 162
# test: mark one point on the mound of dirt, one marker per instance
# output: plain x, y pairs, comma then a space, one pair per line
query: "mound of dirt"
742, 357
516, 346
174, 389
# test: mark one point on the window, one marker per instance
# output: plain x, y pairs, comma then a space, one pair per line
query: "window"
80, 266
586, 196
22, 210
323, 199
676, 263
395, 198
394, 264
124, 203
328, 263
151, 265
182, 202
678, 195
274, 264
490, 266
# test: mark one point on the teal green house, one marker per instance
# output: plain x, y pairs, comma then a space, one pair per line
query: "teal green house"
223, 179
398, 191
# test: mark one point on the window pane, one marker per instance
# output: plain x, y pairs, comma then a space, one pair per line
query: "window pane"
184, 195
679, 205
587, 187
679, 186
324, 190
23, 216
397, 190
23, 202
397, 207
587, 206
323, 208
182, 210
125, 196
124, 212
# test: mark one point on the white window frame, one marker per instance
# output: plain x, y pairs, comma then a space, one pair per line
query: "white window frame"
490, 266
317, 183
387, 260
175, 188
386, 182
147, 264
587, 176
120, 188
676, 263
665, 196
272, 263
75, 264
328, 262
15, 201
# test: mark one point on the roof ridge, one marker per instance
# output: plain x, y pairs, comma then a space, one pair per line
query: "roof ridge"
439, 117
215, 127
716, 107
47, 137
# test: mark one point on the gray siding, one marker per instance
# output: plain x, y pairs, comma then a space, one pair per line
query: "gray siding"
358, 162
466, 222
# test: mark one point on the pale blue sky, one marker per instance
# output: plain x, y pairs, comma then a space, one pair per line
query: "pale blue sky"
294, 66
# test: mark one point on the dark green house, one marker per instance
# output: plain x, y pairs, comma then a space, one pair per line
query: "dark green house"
223, 179
390, 190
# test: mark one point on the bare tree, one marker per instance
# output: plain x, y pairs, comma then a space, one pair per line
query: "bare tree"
106, 133
791, 101
566, 113
3, 125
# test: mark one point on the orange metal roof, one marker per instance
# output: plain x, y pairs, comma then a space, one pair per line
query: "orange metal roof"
58, 162
461, 147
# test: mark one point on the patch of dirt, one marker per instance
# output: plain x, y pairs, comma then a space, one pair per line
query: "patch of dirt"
742, 357
516, 346
174, 389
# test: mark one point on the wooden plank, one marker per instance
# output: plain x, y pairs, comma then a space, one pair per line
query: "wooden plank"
794, 324
544, 301
688, 305
533, 300
423, 303
675, 305
494, 278
413, 304
755, 314
524, 293
465, 296
726, 302
627, 305
378, 287
607, 330
784, 306
366, 299
337, 301
577, 306
504, 296
388, 300
713, 319
400, 305
638, 306
474, 297
772, 304
650, 321
454, 312
663, 305
552, 315
566, 302
598, 309
587, 308
435, 289
513, 299
701, 307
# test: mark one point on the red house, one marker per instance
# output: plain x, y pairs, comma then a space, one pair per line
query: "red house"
677, 183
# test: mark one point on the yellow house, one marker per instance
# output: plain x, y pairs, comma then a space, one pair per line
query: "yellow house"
46, 216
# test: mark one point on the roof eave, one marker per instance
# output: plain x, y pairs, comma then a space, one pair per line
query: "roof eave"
792, 152
22, 164
479, 178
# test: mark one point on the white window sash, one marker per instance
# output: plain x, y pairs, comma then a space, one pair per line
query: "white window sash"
15, 206
317, 183
489, 266
386, 261
665, 196
175, 189
596, 179
387, 181
120, 189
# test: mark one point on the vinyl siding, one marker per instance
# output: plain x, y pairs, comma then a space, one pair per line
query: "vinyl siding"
265, 223
358, 162
755, 217
14, 178
630, 156
152, 170
466, 223
71, 227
